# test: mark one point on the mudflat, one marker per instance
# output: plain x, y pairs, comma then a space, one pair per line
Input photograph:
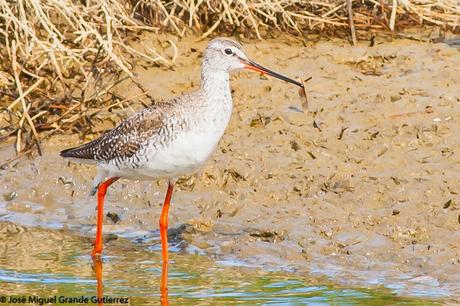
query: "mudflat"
362, 188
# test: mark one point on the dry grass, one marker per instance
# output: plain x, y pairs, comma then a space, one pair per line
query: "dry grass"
259, 17
57, 59
60, 57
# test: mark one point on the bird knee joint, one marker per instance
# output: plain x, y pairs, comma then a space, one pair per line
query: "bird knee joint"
163, 224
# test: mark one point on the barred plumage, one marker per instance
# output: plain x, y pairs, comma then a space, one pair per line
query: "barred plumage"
124, 141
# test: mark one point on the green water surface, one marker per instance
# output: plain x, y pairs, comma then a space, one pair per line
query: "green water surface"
51, 263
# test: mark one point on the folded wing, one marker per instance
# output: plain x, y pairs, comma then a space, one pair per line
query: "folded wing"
122, 142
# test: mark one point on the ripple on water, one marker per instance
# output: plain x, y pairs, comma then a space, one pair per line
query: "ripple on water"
56, 266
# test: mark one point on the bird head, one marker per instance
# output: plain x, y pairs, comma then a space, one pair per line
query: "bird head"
228, 55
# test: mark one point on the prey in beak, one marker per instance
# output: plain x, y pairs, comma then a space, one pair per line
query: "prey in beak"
248, 64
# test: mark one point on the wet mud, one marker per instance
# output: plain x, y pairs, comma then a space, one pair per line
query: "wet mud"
362, 188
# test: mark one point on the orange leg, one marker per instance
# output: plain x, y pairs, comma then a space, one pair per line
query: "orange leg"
164, 245
101, 191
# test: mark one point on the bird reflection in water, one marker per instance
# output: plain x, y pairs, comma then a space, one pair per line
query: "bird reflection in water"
97, 268
164, 284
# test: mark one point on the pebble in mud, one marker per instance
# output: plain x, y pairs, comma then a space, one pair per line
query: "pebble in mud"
10, 196
267, 235
113, 217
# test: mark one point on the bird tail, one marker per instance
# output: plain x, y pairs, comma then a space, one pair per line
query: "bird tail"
67, 152
81, 152
84, 154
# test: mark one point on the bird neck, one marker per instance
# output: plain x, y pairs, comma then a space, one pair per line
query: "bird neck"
215, 84
215, 88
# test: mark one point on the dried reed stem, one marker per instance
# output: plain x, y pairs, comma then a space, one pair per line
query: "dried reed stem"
352, 23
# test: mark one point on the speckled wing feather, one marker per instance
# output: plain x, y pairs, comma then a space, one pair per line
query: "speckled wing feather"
123, 141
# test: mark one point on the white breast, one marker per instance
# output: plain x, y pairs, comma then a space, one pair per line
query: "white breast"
184, 155
187, 152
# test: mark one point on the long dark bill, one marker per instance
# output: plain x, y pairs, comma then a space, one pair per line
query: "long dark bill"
256, 67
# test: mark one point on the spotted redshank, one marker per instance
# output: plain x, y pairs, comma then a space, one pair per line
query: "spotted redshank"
169, 139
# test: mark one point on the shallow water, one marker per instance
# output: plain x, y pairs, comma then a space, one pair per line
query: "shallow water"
46, 263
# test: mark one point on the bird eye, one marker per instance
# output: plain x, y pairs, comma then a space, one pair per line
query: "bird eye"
228, 51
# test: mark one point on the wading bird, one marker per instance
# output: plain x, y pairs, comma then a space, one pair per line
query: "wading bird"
169, 139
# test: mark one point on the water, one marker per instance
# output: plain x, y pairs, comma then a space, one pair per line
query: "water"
44, 263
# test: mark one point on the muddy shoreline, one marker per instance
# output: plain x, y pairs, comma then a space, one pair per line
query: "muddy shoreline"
363, 189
